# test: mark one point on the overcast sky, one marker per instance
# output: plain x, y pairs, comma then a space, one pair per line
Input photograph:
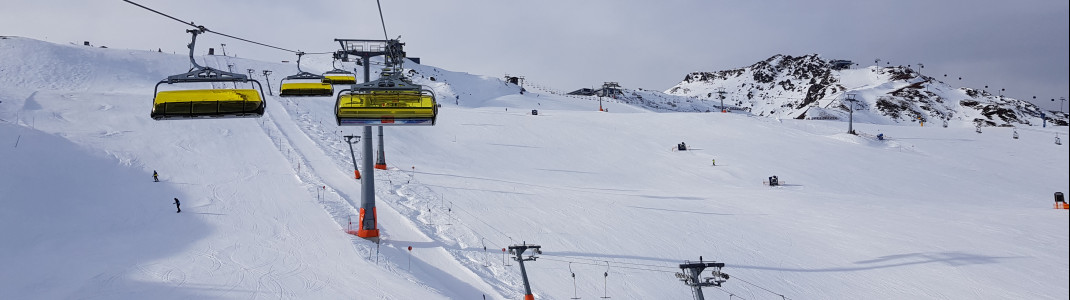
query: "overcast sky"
1021, 46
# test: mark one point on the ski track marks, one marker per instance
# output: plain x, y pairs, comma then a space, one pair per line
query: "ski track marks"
417, 198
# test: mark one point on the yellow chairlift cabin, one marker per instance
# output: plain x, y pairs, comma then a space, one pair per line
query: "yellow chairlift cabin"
392, 100
211, 102
339, 76
304, 84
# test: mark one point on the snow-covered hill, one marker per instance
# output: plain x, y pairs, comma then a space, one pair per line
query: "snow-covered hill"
930, 212
808, 87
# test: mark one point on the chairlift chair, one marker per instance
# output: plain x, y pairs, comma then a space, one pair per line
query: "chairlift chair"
305, 84
391, 100
207, 103
339, 76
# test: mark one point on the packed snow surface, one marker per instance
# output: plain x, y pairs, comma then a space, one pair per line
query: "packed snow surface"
928, 213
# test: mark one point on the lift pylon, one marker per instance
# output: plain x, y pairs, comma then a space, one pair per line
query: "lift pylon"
518, 250
692, 276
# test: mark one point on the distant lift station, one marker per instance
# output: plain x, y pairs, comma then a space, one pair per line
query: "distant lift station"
210, 102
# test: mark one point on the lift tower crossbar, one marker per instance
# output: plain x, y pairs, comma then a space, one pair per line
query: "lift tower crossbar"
692, 276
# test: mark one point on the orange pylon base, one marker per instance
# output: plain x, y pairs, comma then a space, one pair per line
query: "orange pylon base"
1062, 205
529, 297
380, 166
356, 174
368, 233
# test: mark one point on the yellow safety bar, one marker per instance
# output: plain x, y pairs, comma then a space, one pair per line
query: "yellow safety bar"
340, 79
206, 103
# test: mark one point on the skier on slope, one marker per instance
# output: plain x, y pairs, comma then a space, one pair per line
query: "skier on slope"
178, 205
155, 176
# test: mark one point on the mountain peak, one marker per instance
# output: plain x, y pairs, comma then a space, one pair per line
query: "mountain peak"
810, 87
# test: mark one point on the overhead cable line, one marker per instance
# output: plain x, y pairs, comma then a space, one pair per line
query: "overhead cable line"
616, 262
205, 29
381, 20
730, 294
593, 264
760, 287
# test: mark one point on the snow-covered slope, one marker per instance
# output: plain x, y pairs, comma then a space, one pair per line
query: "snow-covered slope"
930, 212
808, 87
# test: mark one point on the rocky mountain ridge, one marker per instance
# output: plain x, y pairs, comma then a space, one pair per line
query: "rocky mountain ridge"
810, 87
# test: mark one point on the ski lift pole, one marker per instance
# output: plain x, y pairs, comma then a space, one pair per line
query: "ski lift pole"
380, 163
369, 228
266, 73
350, 140
486, 259
230, 68
518, 250
851, 117
605, 282
692, 272
575, 295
